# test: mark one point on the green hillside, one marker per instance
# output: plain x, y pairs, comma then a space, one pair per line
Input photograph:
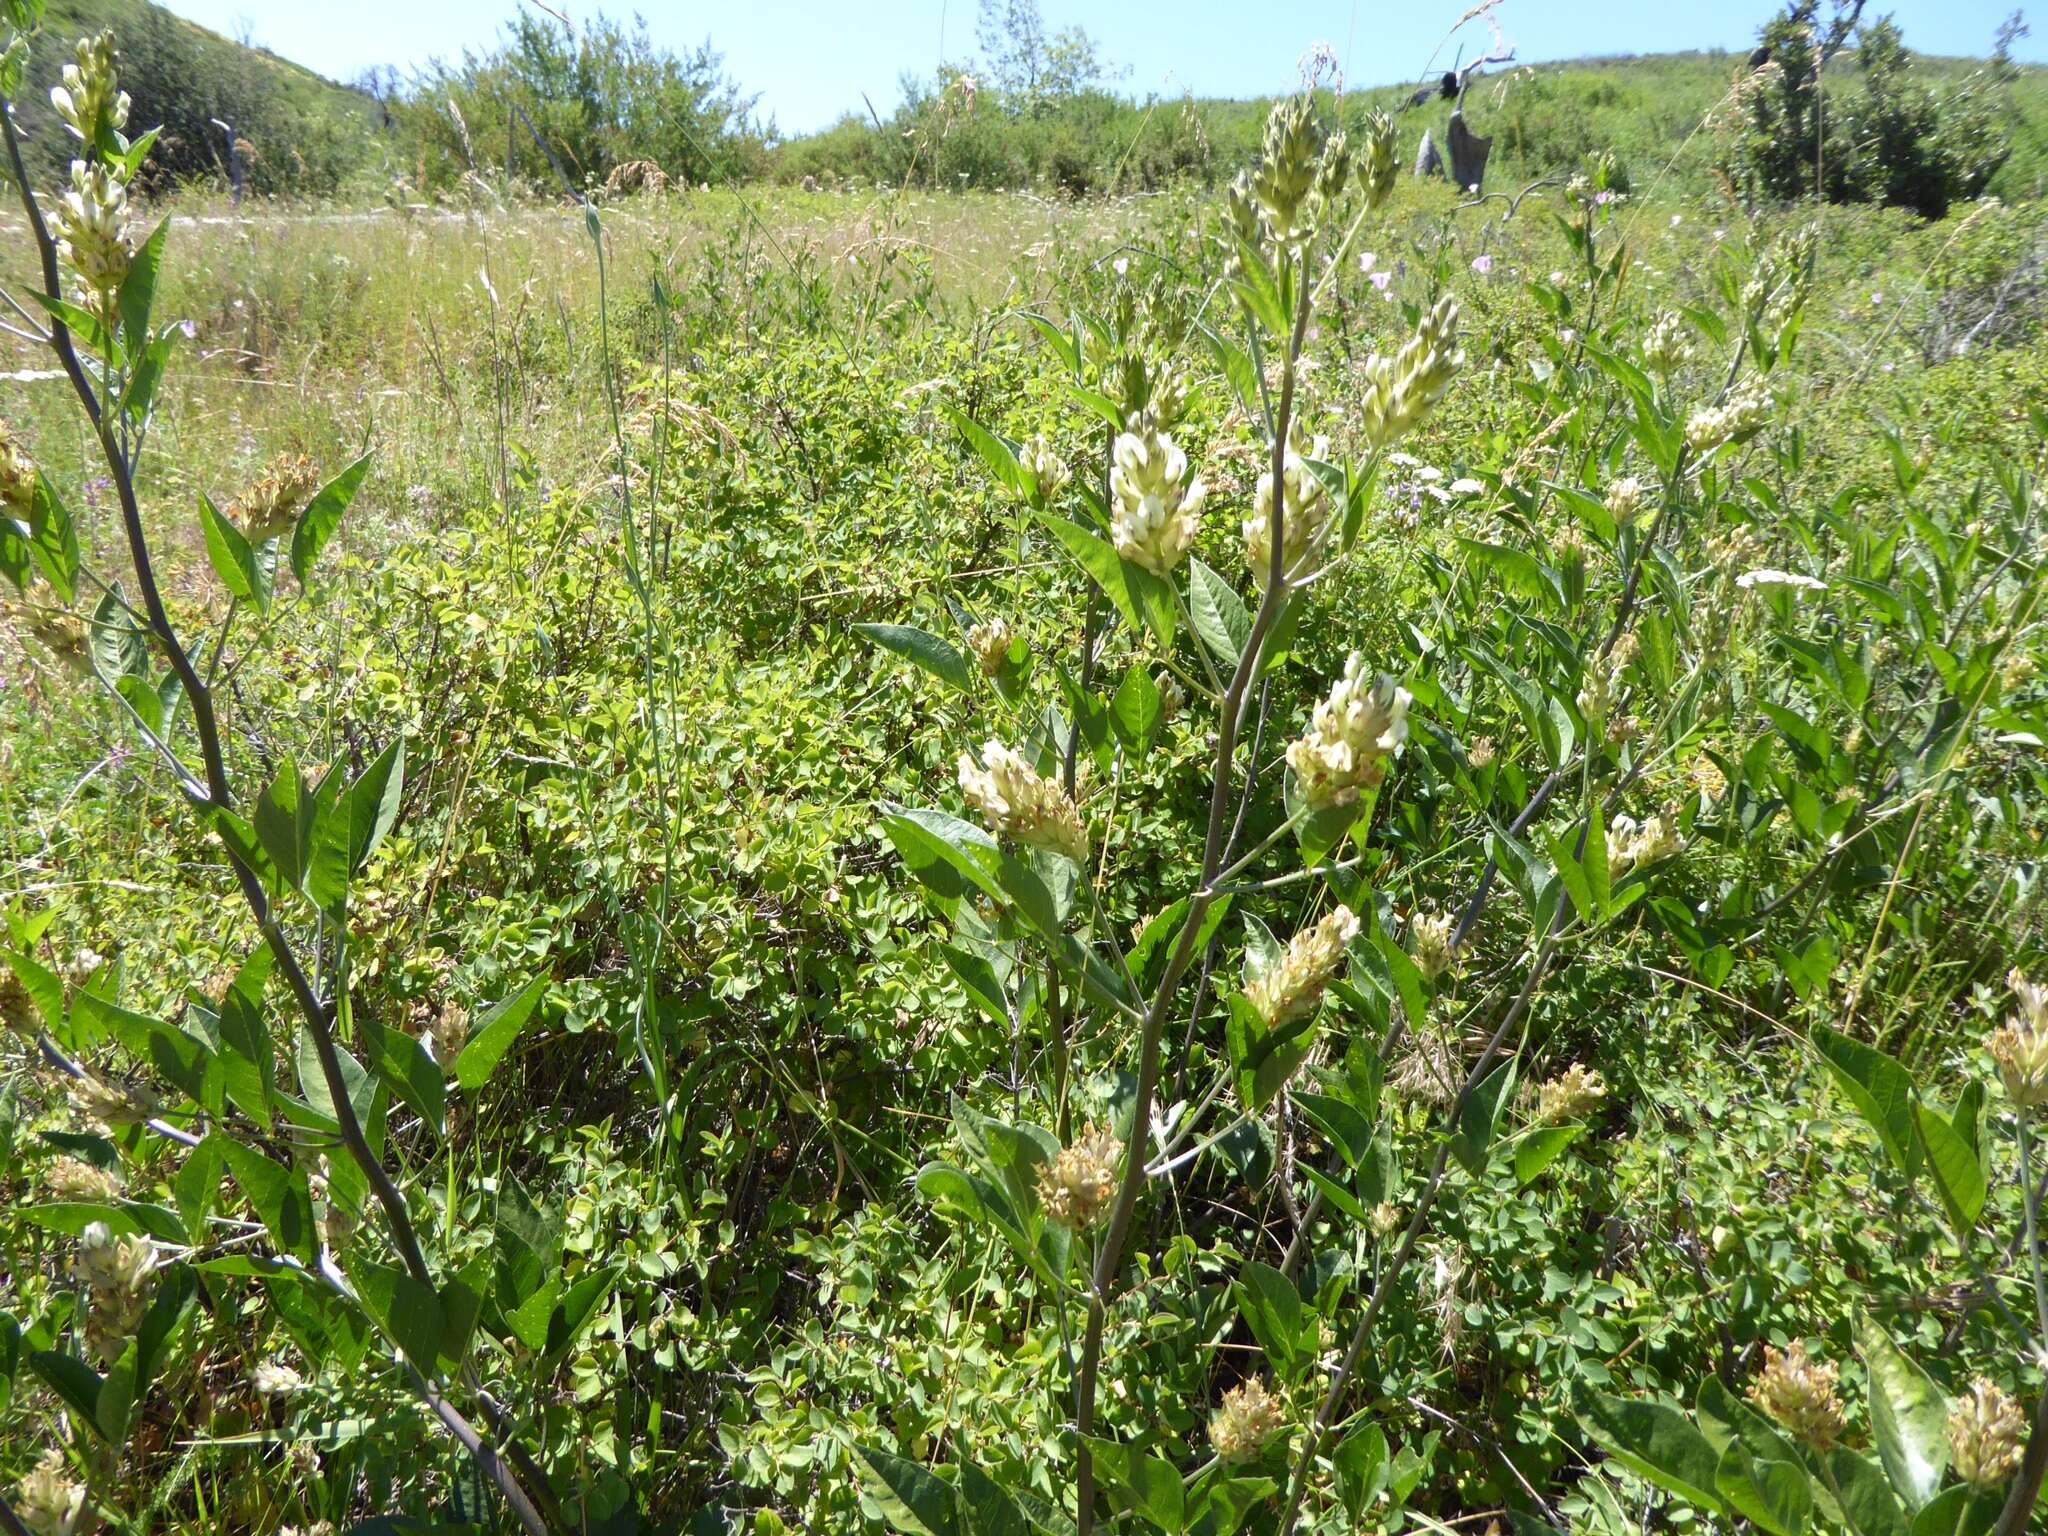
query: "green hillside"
302, 133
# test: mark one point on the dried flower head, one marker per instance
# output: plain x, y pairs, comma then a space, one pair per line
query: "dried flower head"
2019, 1049
1076, 1187
74, 1179
113, 1105
1800, 1394
1292, 987
1986, 1435
48, 1500
114, 1273
1401, 390
1432, 943
1386, 1220
990, 642
449, 1031
1572, 1095
1158, 501
272, 505
1246, 1423
1350, 737
1048, 471
1480, 753
18, 1011
1305, 510
17, 474
1017, 803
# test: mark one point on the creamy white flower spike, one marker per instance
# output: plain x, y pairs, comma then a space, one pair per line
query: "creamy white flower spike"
1292, 987
1766, 577
1016, 803
1400, 390
1352, 733
1305, 503
1158, 501
1738, 418
990, 642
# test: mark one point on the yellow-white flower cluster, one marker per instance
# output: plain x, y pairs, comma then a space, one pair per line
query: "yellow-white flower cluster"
111, 1105
990, 642
1246, 1422
1076, 1187
1158, 500
1292, 987
1017, 803
91, 224
1305, 508
271, 506
114, 1273
1400, 390
1986, 1435
2019, 1049
1572, 1095
48, 1500
1633, 844
1431, 943
89, 100
273, 1378
75, 1180
1048, 471
1737, 419
1625, 501
1668, 347
1351, 735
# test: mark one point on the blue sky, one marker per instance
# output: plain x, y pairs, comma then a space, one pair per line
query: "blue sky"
810, 60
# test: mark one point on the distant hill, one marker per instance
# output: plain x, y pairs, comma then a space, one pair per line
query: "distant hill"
302, 133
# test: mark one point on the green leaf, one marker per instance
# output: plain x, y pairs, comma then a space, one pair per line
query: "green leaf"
913, 1500
1908, 1416
283, 819
408, 1312
1136, 710
1347, 1128
1773, 1495
1218, 613
44, 988
494, 1034
118, 648
322, 516
1867, 1499
1520, 572
279, 1195
1881, 1090
370, 807
1272, 1310
407, 1068
1472, 1143
985, 1508
116, 1400
53, 538
1156, 1492
74, 1381
1099, 559
138, 289
248, 1061
1656, 1443
1958, 1177
232, 557
1959, 1511
996, 452
10, 1356
927, 650
170, 1053
1540, 1148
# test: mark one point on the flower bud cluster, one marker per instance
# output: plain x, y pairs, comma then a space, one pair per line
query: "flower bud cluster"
1800, 1394
1158, 500
1246, 1423
1401, 390
1668, 347
990, 642
2019, 1049
1047, 469
1625, 501
1431, 943
1572, 1095
1986, 1436
1292, 987
48, 1500
1737, 419
1637, 845
89, 100
1305, 504
1017, 803
1350, 736
1075, 1189
114, 1273
1288, 166
91, 224
1376, 164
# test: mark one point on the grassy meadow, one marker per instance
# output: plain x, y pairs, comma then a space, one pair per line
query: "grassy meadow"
728, 1098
